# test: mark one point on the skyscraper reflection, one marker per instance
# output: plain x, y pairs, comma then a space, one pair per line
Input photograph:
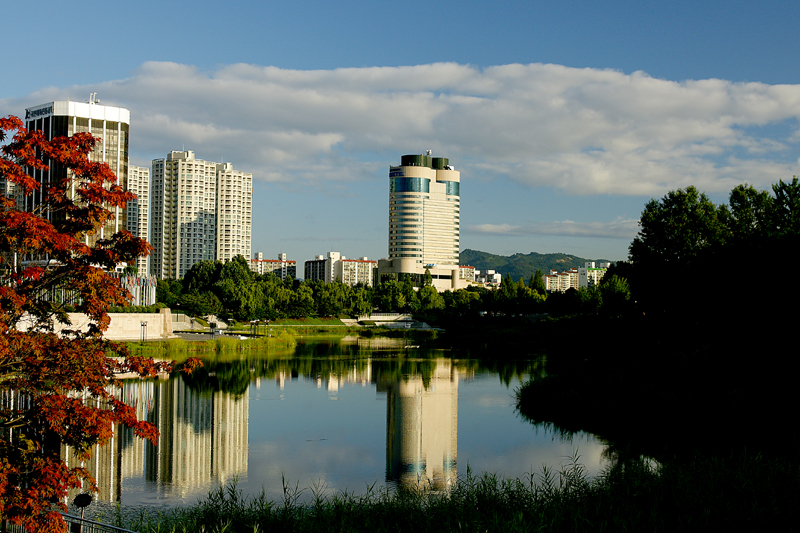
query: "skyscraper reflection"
203, 439
422, 428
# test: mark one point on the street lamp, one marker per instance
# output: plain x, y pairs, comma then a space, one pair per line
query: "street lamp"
144, 330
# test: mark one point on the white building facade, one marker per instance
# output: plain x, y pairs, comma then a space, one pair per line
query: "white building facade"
138, 210
187, 213
590, 275
336, 267
281, 267
354, 271
109, 124
234, 212
424, 221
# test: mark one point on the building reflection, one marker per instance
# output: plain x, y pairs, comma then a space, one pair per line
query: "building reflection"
421, 413
204, 432
422, 428
203, 439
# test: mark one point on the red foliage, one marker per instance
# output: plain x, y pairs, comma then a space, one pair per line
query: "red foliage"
65, 380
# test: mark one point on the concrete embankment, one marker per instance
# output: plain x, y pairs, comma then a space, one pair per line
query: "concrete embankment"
128, 326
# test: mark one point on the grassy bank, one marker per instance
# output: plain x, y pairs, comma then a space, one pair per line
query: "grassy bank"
734, 493
180, 349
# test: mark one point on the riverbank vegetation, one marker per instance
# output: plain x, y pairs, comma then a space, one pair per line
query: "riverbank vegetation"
728, 493
701, 364
181, 349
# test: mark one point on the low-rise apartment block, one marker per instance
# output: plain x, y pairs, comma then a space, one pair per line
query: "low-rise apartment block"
336, 267
281, 267
575, 278
590, 275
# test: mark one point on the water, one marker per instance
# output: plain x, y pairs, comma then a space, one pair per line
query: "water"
332, 415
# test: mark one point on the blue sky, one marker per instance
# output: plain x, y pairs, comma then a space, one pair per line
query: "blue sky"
564, 118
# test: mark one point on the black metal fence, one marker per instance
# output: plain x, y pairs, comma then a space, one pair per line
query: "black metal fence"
75, 524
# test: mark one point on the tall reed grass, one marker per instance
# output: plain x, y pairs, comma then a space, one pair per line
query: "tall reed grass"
180, 349
712, 494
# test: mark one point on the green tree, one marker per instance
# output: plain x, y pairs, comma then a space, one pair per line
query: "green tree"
168, 292
537, 283
389, 295
331, 299
410, 295
360, 301
202, 276
56, 380
204, 304
616, 295
785, 213
236, 289
675, 229
427, 279
750, 213
430, 299
302, 303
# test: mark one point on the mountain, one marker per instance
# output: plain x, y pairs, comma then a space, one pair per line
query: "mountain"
521, 265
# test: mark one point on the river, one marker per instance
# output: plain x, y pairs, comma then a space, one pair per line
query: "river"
335, 414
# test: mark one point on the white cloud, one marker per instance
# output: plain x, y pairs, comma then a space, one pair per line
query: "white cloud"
616, 229
583, 131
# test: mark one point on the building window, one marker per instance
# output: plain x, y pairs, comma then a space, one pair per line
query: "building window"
410, 185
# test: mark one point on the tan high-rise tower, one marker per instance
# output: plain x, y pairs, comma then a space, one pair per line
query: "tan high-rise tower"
424, 221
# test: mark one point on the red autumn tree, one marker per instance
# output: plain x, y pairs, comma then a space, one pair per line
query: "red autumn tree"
57, 387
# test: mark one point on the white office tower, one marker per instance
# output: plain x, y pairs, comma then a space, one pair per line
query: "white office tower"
424, 213
108, 123
184, 198
234, 212
138, 210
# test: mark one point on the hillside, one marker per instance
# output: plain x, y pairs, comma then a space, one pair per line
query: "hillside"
521, 265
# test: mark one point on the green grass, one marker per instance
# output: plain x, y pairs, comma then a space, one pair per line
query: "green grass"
180, 349
712, 494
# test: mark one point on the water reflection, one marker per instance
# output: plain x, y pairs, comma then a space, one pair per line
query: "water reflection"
203, 440
422, 428
317, 416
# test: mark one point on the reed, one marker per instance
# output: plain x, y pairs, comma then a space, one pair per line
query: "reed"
180, 349
706, 494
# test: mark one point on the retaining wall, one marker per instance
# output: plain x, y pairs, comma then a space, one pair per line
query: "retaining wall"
128, 326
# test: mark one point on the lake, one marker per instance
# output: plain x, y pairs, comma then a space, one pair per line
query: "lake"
333, 414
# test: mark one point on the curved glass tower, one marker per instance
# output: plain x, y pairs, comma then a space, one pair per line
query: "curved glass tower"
424, 211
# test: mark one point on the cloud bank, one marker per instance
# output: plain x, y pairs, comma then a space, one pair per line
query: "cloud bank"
582, 131
616, 229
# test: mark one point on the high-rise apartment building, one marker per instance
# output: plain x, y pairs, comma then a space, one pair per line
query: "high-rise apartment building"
234, 209
424, 217
108, 123
138, 210
188, 214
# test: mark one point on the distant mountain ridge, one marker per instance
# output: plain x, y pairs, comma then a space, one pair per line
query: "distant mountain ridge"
522, 265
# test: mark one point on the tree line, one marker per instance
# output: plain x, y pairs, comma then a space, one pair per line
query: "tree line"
689, 245
232, 291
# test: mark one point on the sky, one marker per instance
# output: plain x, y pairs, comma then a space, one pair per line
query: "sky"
564, 117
